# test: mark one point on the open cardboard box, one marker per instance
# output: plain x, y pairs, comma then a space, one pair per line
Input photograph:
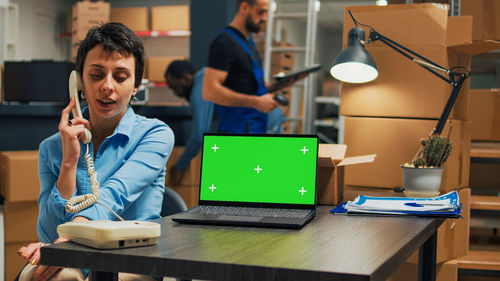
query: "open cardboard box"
331, 164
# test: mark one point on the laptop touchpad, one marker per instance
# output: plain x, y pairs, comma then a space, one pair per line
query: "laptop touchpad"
238, 218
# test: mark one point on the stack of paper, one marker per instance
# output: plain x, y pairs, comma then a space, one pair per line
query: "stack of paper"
447, 205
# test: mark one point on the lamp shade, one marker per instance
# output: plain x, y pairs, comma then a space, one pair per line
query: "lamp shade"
354, 64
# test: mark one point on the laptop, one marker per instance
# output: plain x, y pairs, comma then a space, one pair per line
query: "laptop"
256, 180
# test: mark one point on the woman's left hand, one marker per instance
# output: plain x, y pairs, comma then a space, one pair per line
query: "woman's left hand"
31, 253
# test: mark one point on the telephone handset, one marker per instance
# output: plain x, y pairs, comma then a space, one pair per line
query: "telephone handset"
80, 202
75, 84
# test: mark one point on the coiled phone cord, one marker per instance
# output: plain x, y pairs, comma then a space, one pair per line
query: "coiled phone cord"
80, 202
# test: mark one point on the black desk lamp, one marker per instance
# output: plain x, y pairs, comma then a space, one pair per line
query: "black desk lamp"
355, 65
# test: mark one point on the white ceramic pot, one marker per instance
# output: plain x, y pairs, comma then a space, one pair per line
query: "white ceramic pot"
421, 182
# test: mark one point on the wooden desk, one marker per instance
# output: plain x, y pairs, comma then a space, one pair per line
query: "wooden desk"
330, 247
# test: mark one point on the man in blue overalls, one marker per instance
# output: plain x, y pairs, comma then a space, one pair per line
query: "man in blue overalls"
234, 77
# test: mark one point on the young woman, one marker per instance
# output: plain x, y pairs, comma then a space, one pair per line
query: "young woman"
130, 151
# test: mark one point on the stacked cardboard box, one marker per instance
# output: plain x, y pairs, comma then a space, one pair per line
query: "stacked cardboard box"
175, 17
20, 187
135, 18
188, 188
486, 22
389, 115
87, 14
156, 67
485, 114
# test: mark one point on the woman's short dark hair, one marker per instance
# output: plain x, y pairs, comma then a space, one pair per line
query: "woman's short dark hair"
179, 68
114, 37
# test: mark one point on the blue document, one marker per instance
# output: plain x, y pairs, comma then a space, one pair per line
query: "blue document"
447, 205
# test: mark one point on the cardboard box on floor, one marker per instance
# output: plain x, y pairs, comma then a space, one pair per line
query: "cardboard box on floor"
486, 13
453, 234
135, 18
331, 164
396, 141
20, 221
446, 271
19, 176
403, 88
485, 114
189, 186
175, 17
191, 175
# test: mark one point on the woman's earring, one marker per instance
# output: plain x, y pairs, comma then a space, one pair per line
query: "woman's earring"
82, 95
134, 98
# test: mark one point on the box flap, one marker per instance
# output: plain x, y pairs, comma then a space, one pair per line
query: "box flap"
333, 151
459, 30
357, 160
477, 47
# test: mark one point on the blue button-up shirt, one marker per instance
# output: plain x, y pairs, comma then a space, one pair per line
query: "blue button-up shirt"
130, 166
203, 112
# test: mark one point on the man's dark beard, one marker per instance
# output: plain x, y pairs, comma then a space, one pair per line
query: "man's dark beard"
251, 26
186, 91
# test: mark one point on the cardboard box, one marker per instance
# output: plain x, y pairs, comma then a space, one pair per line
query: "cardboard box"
331, 164
283, 59
403, 88
189, 186
175, 17
190, 194
396, 141
156, 67
97, 9
485, 114
486, 13
453, 234
20, 221
409, 25
275, 69
136, 18
85, 15
446, 271
191, 175
19, 176
13, 262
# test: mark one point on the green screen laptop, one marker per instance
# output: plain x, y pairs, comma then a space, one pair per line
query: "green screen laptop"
256, 180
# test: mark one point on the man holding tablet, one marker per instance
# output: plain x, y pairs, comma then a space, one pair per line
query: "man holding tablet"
234, 77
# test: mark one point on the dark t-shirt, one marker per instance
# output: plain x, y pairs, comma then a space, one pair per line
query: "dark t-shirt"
228, 55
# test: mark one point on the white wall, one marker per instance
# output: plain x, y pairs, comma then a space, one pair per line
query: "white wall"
40, 22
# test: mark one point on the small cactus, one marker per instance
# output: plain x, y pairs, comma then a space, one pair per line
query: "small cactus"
435, 151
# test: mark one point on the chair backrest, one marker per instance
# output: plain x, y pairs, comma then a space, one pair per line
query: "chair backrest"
172, 203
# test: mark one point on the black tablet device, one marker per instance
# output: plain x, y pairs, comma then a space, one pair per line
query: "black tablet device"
282, 77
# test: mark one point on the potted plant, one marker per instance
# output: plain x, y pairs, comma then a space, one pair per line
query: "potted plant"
422, 177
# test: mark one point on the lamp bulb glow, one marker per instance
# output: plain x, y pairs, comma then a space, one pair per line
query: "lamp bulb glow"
354, 72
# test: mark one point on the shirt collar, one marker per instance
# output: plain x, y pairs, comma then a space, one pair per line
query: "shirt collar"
125, 126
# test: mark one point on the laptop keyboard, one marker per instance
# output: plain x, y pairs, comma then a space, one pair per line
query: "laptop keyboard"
249, 211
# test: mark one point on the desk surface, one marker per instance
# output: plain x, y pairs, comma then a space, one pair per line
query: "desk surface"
330, 247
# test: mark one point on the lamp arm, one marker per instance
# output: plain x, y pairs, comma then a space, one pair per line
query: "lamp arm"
455, 79
424, 62
449, 104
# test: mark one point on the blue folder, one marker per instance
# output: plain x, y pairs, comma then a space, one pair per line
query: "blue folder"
446, 205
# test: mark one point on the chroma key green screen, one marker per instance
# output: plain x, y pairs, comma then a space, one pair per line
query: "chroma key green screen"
262, 169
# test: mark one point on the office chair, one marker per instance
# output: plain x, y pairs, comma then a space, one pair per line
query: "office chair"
172, 203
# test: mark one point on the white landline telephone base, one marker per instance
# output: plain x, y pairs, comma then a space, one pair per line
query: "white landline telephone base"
111, 234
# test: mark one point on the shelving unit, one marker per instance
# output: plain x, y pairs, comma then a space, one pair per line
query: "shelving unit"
483, 259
